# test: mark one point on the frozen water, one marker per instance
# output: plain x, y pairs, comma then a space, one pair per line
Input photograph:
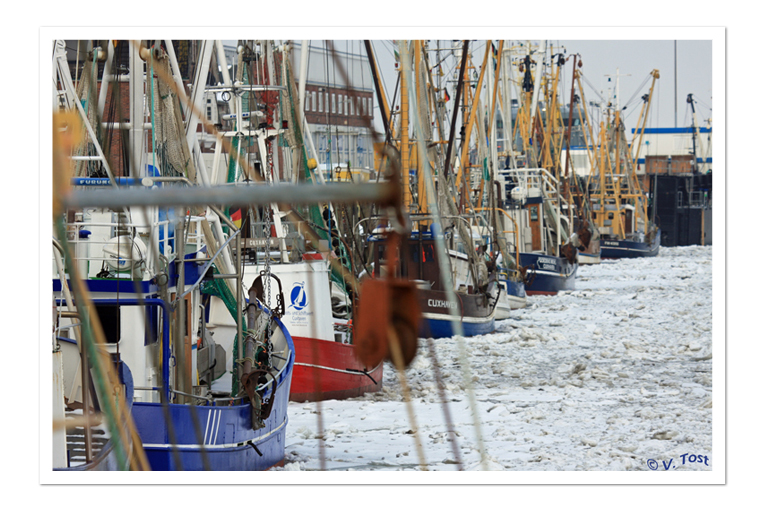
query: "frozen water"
603, 377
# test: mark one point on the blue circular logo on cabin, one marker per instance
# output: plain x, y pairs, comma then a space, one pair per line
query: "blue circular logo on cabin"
298, 296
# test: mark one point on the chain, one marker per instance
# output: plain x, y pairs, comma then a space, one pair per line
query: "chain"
269, 211
268, 346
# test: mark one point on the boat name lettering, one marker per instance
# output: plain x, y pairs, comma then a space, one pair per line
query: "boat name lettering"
545, 263
255, 242
611, 243
439, 303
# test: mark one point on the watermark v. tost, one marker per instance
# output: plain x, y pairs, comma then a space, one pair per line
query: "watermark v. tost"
686, 458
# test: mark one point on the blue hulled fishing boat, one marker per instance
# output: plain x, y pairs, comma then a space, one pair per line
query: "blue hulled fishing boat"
547, 259
619, 202
138, 289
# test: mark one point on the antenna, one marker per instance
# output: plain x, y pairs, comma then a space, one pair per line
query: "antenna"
675, 83
616, 94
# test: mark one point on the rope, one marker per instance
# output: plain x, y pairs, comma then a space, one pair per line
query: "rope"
398, 361
592, 87
640, 87
444, 403
447, 279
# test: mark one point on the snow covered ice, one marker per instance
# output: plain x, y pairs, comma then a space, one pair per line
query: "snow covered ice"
601, 378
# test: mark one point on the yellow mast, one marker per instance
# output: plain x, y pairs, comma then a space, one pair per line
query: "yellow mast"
522, 121
646, 105
404, 145
524, 114
618, 182
552, 103
421, 165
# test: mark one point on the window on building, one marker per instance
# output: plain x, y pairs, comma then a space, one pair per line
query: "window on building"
321, 102
326, 100
350, 106
345, 105
313, 101
371, 107
307, 105
333, 103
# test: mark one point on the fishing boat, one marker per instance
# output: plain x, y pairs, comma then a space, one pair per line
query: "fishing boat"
319, 308
503, 257
442, 249
150, 274
577, 166
532, 181
592, 253
241, 431
549, 265
476, 291
511, 286
92, 392
619, 203
512, 295
132, 311
318, 313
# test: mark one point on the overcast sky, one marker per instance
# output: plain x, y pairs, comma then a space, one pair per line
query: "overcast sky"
637, 59
634, 59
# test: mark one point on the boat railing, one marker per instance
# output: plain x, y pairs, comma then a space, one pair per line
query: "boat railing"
206, 398
514, 231
284, 249
131, 244
529, 178
414, 218
698, 199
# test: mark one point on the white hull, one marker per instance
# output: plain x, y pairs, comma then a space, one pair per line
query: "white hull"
587, 258
507, 303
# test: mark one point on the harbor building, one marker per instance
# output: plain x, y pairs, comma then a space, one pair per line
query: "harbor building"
676, 166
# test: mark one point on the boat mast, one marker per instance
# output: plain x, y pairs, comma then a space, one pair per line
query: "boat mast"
695, 130
601, 169
136, 88
616, 179
646, 106
535, 93
492, 134
506, 103
404, 141
465, 165
455, 112
421, 107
